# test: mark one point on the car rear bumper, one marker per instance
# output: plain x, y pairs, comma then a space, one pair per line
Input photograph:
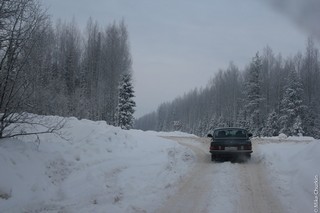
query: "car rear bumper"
230, 152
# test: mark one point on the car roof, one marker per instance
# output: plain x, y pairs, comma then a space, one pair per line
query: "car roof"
228, 128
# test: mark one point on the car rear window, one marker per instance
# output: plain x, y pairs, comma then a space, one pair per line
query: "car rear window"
234, 133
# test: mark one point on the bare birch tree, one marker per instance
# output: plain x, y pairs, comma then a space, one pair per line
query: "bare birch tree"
19, 19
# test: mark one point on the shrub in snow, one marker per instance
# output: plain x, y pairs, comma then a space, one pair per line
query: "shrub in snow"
282, 136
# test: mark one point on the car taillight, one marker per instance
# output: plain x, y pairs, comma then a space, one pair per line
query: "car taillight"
216, 147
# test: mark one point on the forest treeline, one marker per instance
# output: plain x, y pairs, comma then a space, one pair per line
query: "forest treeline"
271, 95
78, 74
58, 69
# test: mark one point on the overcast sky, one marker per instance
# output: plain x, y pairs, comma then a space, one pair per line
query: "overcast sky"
178, 45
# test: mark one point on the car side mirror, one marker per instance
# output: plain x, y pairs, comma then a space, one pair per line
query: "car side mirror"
209, 136
249, 135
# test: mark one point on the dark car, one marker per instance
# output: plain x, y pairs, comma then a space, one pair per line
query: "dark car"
230, 142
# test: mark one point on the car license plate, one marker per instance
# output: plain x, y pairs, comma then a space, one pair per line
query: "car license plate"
232, 148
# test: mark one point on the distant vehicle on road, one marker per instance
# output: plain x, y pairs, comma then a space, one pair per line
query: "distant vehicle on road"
231, 143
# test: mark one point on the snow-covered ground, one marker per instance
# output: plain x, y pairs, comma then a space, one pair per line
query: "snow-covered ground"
98, 168
94, 167
293, 168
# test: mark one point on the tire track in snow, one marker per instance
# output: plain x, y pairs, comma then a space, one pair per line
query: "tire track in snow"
221, 187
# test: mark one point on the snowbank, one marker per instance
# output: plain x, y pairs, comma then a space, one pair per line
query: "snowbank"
292, 166
172, 134
283, 138
92, 167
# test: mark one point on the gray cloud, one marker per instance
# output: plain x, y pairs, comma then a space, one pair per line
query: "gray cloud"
305, 13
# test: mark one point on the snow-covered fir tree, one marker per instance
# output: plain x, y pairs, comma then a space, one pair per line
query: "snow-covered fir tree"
271, 128
291, 107
253, 96
126, 103
297, 126
312, 120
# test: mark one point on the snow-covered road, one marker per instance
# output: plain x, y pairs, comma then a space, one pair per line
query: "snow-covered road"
222, 187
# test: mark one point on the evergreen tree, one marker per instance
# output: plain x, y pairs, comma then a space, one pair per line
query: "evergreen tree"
297, 126
312, 121
126, 103
272, 127
291, 106
253, 96
221, 122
